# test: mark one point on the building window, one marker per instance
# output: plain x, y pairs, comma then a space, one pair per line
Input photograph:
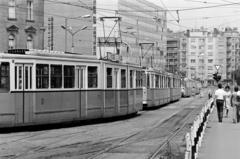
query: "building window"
92, 77
210, 39
210, 47
12, 9
123, 78
193, 40
210, 53
193, 53
109, 78
11, 42
56, 76
193, 47
69, 77
4, 76
29, 10
42, 76
193, 60
29, 42
210, 60
210, 68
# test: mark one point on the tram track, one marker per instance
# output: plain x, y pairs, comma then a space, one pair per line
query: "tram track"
91, 150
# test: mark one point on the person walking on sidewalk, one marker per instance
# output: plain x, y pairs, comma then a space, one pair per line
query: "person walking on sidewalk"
235, 102
219, 101
227, 99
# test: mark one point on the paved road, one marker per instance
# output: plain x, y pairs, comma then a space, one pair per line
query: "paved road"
135, 137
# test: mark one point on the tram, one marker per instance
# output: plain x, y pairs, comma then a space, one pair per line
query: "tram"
190, 87
160, 88
42, 87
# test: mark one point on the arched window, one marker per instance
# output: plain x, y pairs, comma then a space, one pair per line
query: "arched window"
11, 41
29, 42
12, 9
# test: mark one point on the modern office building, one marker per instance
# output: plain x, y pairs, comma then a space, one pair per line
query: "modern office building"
123, 28
22, 24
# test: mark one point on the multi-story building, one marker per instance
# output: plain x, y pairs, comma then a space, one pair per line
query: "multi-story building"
22, 24
69, 26
207, 54
177, 53
173, 55
139, 37
232, 40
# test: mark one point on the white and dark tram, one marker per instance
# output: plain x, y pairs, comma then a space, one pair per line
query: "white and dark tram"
160, 88
39, 87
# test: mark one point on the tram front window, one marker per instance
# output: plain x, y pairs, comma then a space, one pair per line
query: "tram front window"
4, 76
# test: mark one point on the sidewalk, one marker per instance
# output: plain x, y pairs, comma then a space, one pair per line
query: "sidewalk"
221, 140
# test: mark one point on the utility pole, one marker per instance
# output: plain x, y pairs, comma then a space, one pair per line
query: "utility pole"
66, 25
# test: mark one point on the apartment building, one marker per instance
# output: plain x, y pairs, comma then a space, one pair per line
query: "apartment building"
207, 54
22, 24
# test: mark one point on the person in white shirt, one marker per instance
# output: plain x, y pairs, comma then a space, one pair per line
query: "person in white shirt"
219, 101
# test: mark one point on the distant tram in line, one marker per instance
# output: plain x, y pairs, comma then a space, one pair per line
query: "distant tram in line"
160, 88
42, 87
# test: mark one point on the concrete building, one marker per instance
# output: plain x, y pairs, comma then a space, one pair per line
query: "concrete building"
173, 55
69, 26
138, 37
206, 51
233, 61
177, 53
22, 24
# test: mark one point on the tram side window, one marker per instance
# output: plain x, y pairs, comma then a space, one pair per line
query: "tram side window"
148, 81
4, 76
92, 77
109, 78
131, 78
123, 78
69, 77
56, 76
157, 81
138, 79
42, 76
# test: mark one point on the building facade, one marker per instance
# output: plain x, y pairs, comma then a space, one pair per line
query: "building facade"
69, 26
207, 55
22, 24
138, 37
232, 41
173, 55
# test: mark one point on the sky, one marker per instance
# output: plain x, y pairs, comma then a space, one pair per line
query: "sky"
217, 17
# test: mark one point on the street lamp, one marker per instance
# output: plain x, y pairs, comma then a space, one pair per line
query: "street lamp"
69, 29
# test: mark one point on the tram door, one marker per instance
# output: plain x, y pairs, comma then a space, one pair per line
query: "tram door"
81, 84
23, 83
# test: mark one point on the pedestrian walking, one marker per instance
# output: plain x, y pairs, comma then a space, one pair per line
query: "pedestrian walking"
235, 102
227, 100
219, 101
